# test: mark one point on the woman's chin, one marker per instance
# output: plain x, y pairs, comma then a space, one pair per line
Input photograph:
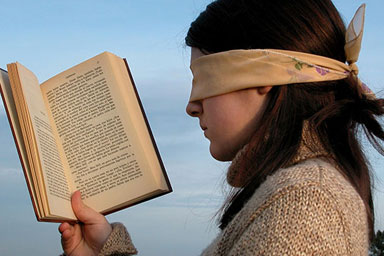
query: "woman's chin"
219, 154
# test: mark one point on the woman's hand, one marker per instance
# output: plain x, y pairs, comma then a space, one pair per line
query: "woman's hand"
88, 237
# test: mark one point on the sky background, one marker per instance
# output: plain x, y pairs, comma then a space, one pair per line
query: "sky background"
51, 36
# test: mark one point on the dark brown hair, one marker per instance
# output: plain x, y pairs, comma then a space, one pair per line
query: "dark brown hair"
336, 110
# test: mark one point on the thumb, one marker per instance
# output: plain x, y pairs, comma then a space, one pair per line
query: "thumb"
84, 213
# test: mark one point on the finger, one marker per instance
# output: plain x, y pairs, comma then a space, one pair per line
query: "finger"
64, 226
66, 230
84, 213
70, 238
67, 234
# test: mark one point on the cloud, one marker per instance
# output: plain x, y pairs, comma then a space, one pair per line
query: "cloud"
10, 172
10, 178
186, 137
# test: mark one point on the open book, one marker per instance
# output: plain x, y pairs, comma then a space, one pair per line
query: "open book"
84, 129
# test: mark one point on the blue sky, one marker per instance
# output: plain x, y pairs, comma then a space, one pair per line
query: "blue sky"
51, 36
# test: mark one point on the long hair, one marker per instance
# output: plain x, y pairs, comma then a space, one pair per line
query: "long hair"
336, 110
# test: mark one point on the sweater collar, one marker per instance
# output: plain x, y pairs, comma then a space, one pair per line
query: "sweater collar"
310, 147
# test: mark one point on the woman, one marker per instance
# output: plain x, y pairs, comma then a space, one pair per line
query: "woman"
272, 94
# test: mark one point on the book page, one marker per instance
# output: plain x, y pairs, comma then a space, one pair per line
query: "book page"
128, 92
98, 138
10, 107
50, 163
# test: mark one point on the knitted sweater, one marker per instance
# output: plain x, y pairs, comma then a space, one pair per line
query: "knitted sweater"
308, 208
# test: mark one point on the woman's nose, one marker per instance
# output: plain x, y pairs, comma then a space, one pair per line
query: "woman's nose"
194, 109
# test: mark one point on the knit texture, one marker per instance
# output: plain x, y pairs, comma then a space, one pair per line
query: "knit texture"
119, 242
307, 208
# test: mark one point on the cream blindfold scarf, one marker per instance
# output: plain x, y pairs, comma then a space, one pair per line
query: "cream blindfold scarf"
234, 70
